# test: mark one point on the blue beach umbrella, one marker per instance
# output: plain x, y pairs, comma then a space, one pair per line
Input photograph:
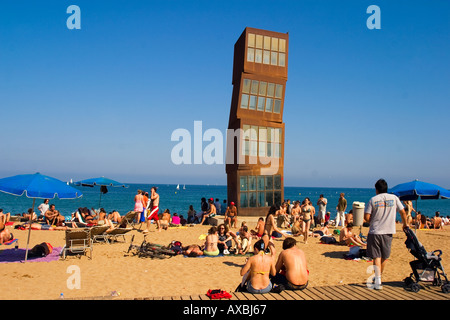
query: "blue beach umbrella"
102, 182
417, 189
37, 186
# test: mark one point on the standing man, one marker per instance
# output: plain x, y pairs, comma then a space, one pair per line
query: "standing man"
341, 207
43, 208
381, 213
322, 203
153, 207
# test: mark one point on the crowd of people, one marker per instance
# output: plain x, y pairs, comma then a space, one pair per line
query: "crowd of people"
264, 270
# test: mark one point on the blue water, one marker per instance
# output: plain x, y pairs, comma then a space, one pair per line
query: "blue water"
122, 199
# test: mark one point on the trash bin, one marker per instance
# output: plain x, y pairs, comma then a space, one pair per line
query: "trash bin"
358, 213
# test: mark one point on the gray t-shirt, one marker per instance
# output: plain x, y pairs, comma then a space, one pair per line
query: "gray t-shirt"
383, 210
322, 204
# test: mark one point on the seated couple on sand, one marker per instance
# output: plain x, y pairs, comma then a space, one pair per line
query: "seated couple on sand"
261, 271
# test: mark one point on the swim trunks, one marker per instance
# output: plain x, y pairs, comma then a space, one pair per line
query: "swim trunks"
154, 214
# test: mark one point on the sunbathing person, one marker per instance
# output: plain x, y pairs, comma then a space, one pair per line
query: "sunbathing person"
194, 250
270, 227
5, 234
291, 267
259, 229
53, 217
257, 270
243, 240
211, 248
346, 237
114, 216
323, 231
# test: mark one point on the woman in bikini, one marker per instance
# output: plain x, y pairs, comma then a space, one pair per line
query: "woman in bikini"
257, 270
307, 213
138, 205
270, 227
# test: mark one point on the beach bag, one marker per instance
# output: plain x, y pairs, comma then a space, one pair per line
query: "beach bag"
176, 247
41, 250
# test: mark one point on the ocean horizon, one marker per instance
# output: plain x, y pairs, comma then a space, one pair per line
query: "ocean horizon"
179, 199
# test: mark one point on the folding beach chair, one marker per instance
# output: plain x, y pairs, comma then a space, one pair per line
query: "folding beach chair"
114, 235
99, 233
78, 241
128, 219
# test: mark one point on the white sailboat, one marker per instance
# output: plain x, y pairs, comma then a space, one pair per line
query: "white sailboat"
178, 187
184, 187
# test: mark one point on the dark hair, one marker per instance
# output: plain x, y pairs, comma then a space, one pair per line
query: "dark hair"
381, 186
273, 209
212, 230
155, 188
350, 225
259, 245
289, 243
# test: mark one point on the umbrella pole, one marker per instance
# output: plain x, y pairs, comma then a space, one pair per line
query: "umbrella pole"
29, 230
100, 201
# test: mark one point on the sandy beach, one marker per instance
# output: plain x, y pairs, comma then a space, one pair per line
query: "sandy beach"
112, 269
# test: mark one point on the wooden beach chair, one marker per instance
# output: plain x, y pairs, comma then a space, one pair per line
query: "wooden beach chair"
99, 233
128, 219
114, 235
78, 241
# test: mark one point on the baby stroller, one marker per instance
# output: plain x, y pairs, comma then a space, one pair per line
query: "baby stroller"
427, 267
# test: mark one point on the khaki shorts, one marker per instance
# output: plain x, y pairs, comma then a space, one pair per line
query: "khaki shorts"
379, 245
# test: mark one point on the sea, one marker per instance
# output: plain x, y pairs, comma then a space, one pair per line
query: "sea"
178, 198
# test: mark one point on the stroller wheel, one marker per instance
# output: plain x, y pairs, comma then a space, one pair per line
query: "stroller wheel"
437, 282
446, 288
415, 287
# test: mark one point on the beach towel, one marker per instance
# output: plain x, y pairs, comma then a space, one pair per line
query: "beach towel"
218, 294
10, 242
18, 255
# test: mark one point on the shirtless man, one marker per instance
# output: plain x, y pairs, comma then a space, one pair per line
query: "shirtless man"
211, 212
193, 250
52, 216
211, 248
231, 215
292, 264
5, 235
346, 237
259, 229
153, 208
438, 221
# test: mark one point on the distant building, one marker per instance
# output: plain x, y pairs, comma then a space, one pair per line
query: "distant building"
255, 154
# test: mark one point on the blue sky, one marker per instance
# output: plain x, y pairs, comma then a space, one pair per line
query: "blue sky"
104, 100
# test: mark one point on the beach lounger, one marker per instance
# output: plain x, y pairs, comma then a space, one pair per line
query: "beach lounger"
78, 241
128, 219
113, 235
98, 233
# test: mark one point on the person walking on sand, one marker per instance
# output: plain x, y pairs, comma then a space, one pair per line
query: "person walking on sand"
341, 207
322, 203
381, 213
153, 207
